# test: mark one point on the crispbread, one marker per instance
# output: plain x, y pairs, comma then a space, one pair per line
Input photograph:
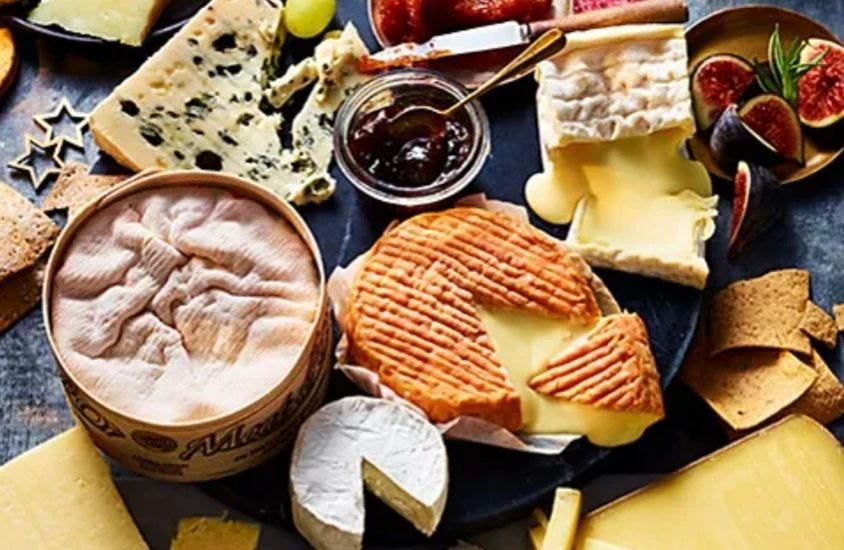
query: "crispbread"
765, 312
611, 368
19, 293
746, 387
824, 400
25, 232
75, 187
412, 314
838, 313
818, 324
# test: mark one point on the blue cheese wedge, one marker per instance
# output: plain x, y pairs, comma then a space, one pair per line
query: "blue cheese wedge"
202, 102
126, 22
362, 442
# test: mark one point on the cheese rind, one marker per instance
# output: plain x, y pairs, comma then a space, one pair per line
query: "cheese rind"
362, 442
779, 489
59, 496
126, 22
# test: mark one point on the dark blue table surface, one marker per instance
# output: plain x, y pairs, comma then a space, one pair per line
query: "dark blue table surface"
488, 486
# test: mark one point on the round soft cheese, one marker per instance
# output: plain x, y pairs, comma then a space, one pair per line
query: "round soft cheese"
184, 304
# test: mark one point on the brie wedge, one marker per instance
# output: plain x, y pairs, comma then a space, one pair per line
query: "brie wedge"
362, 442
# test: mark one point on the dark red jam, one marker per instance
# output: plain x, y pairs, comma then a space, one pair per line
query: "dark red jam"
403, 146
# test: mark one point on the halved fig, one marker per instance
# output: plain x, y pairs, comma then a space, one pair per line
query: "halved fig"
732, 141
820, 93
717, 82
756, 205
775, 121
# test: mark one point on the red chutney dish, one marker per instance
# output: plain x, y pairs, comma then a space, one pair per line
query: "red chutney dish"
418, 20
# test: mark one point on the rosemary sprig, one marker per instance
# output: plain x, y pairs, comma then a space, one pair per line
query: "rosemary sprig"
783, 71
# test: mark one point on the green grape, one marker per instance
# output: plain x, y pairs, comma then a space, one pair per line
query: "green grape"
308, 18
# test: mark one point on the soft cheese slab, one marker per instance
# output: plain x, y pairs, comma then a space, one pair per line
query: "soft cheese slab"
182, 304
614, 112
59, 496
128, 22
362, 443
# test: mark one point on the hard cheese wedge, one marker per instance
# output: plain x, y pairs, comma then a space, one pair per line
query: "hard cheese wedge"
128, 22
220, 534
779, 489
565, 515
362, 442
60, 496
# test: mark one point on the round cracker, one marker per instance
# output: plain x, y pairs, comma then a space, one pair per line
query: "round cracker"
8, 59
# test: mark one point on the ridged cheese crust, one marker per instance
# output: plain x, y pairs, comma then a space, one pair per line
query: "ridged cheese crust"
611, 368
412, 315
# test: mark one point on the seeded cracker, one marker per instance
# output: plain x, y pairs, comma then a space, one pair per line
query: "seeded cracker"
25, 232
19, 293
749, 386
838, 312
824, 400
818, 324
765, 312
76, 187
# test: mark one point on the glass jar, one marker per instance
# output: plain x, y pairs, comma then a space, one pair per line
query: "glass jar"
413, 87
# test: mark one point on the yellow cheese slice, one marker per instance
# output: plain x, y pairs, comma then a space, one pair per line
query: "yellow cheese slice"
636, 204
128, 21
59, 496
779, 489
595, 544
201, 533
565, 515
524, 343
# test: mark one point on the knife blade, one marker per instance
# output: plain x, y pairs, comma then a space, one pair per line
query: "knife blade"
512, 33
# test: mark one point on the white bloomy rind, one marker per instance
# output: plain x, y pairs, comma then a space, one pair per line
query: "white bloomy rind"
362, 441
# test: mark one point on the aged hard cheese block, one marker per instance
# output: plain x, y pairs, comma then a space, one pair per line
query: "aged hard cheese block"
127, 22
218, 533
779, 489
60, 496
614, 110
362, 442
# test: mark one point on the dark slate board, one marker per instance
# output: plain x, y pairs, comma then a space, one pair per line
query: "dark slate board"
489, 486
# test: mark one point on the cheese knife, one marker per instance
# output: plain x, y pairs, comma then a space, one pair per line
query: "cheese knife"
512, 33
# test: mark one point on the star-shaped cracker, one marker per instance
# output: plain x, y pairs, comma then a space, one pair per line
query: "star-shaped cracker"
49, 121
33, 149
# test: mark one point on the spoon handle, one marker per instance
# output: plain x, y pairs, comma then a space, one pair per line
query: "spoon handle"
533, 54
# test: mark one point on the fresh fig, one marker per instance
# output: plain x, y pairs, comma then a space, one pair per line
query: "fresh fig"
756, 205
820, 92
732, 141
775, 121
717, 82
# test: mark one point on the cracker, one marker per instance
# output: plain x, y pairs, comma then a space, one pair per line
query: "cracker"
25, 232
19, 293
746, 387
8, 58
824, 400
75, 188
838, 313
765, 312
819, 325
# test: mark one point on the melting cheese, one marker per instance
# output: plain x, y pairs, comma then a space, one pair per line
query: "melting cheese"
524, 343
780, 489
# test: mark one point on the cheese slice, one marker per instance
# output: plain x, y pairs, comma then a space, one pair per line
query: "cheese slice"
201, 533
362, 442
595, 544
565, 515
126, 22
614, 112
526, 344
59, 496
779, 489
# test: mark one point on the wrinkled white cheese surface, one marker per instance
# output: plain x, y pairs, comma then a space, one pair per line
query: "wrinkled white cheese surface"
179, 305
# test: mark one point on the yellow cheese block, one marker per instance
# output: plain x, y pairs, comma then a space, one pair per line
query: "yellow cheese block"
524, 343
595, 544
59, 496
128, 22
565, 515
779, 489
218, 533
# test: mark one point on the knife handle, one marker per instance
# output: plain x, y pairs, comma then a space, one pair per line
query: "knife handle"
646, 11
